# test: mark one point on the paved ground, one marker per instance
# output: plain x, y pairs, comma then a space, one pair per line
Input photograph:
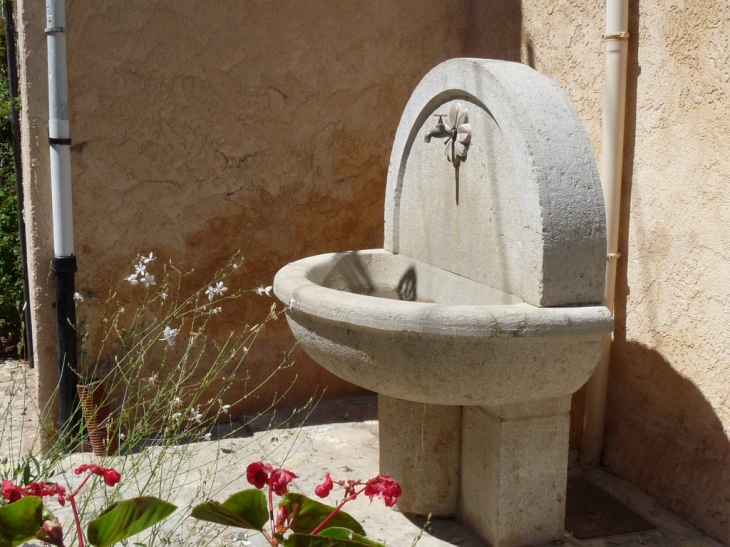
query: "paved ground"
341, 437
17, 409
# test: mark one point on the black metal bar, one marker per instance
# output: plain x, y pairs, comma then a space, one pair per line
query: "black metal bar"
15, 128
65, 269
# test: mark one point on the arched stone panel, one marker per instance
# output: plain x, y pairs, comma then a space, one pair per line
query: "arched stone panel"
524, 213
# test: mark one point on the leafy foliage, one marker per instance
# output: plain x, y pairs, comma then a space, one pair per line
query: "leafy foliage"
11, 287
126, 518
20, 521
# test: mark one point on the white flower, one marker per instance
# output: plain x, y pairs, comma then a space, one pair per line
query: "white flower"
292, 302
225, 409
219, 289
132, 279
122, 437
168, 335
264, 290
176, 415
216, 310
78, 297
152, 379
207, 437
198, 417
242, 537
147, 260
163, 295
140, 268
148, 279
177, 401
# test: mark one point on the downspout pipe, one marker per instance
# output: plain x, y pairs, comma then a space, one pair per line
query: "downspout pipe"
64, 260
10, 50
614, 109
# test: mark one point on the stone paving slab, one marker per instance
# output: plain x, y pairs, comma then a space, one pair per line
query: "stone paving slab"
342, 438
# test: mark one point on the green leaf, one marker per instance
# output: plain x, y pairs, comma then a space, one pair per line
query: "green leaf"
125, 518
305, 540
20, 521
344, 533
308, 514
245, 509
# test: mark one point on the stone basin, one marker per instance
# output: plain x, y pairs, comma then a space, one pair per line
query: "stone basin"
488, 347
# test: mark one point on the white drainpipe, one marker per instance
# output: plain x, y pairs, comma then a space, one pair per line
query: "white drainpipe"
64, 260
614, 108
58, 129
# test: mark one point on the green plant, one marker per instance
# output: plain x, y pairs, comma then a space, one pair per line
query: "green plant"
172, 407
307, 522
25, 517
11, 288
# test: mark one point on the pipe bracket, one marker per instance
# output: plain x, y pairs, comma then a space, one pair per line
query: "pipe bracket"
54, 140
618, 35
51, 30
613, 256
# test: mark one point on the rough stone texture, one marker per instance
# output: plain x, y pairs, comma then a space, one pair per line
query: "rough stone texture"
420, 446
520, 462
524, 214
545, 236
463, 345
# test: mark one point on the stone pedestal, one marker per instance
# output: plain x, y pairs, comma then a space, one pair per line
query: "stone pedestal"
420, 446
501, 470
514, 471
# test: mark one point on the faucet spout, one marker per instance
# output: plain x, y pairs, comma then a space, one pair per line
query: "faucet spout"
440, 131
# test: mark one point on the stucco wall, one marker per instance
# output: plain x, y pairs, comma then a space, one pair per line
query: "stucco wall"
200, 128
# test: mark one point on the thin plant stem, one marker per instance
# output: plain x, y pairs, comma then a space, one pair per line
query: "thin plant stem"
337, 510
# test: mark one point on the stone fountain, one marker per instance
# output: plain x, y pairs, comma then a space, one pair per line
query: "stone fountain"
481, 315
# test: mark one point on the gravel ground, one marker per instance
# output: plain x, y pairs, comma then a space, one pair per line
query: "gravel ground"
18, 411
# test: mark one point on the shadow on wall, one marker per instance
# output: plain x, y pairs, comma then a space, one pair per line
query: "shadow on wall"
663, 436
494, 30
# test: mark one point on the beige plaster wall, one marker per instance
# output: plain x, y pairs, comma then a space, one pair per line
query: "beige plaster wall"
669, 408
201, 128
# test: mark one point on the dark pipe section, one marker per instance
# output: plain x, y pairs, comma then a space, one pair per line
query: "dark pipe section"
15, 127
65, 269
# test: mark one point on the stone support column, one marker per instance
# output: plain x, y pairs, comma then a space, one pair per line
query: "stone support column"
514, 471
420, 446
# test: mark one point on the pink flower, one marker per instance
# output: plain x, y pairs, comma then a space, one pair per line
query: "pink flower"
258, 474
280, 479
11, 492
51, 532
324, 489
281, 519
111, 476
384, 487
